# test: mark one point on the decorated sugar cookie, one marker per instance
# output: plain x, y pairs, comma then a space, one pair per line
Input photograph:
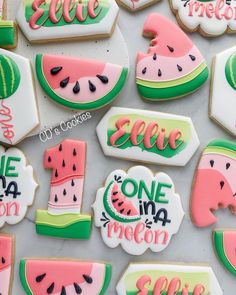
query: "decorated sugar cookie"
8, 29
147, 136
7, 256
138, 210
209, 17
223, 90
64, 277
214, 184
16, 92
51, 20
135, 5
173, 66
225, 245
17, 186
153, 278
79, 83
63, 218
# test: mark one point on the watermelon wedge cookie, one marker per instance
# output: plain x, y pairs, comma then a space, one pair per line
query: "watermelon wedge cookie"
7, 257
224, 241
173, 66
80, 84
63, 218
64, 276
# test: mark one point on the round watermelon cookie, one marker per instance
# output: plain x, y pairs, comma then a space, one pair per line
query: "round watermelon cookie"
64, 277
173, 66
80, 83
225, 246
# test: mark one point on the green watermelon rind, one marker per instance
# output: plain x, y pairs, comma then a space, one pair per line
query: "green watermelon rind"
230, 71
108, 98
218, 238
110, 210
176, 91
107, 279
66, 226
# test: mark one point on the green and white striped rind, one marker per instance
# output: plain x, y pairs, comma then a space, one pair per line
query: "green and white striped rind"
9, 76
230, 70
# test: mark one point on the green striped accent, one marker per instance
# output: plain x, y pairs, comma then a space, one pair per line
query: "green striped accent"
230, 70
9, 76
222, 146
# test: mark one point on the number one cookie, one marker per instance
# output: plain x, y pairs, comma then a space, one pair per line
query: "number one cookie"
63, 218
8, 29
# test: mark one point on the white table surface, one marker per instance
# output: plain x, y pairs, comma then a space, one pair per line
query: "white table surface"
190, 244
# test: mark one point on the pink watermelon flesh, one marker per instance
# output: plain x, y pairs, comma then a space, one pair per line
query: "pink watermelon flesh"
229, 247
79, 80
121, 204
5, 276
5, 252
70, 277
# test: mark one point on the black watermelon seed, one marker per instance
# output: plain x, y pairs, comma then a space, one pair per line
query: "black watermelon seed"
56, 199
3, 260
193, 58
76, 88
115, 193
144, 71
56, 70
74, 199
56, 173
74, 153
128, 213
40, 278
63, 290
60, 147
179, 68
170, 48
154, 56
72, 183
212, 163
227, 166
64, 82
103, 79
120, 204
49, 159
92, 87
50, 288
115, 200
159, 73
63, 163
88, 279
64, 192
122, 210
78, 290
74, 167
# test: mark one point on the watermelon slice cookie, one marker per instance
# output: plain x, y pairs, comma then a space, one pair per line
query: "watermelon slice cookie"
64, 277
225, 246
118, 206
6, 262
79, 83
173, 66
63, 217
214, 186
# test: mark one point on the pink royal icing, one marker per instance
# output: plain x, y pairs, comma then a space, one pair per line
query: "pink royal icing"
6, 261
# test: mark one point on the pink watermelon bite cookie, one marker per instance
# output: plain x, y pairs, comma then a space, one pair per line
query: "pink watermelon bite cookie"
214, 185
173, 66
79, 83
225, 246
63, 219
64, 277
6, 262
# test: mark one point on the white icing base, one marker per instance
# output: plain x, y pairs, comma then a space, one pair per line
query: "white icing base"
72, 30
223, 96
136, 153
210, 26
137, 4
214, 286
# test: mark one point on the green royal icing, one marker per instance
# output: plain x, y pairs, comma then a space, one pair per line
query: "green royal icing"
7, 34
169, 92
47, 22
9, 77
230, 70
222, 146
